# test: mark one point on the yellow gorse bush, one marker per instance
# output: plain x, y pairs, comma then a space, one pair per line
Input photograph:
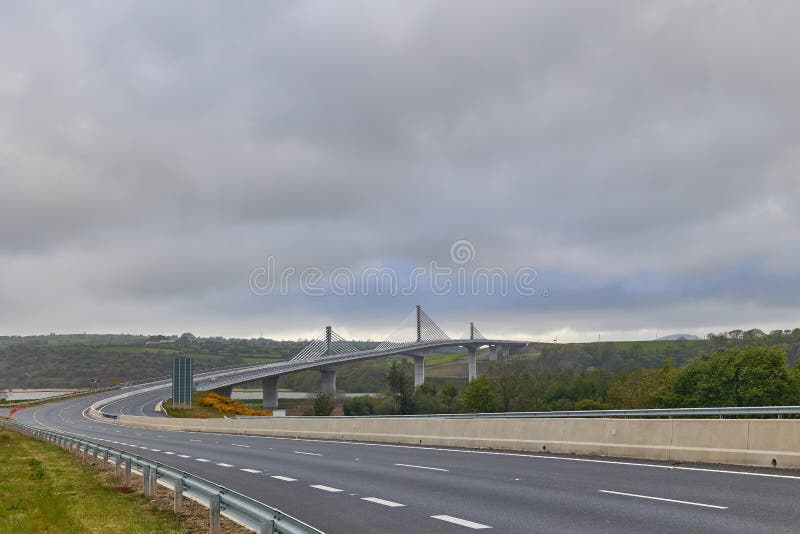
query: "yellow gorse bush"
229, 406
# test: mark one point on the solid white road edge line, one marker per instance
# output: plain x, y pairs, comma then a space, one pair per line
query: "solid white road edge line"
423, 467
664, 500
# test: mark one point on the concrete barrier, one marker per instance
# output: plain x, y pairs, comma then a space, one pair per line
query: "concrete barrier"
729, 441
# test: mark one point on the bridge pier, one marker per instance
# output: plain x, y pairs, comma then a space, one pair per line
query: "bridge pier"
473, 363
328, 381
492, 353
502, 351
226, 391
269, 391
419, 371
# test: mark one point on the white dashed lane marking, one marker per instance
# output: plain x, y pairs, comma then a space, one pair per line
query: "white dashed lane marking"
239, 445
384, 502
285, 479
326, 488
202, 460
224, 465
458, 521
308, 453
247, 470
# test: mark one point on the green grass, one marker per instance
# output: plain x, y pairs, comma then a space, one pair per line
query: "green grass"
45, 489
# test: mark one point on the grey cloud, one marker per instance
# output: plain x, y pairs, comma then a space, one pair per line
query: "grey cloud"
642, 155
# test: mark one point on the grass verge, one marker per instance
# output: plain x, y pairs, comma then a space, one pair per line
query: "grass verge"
44, 489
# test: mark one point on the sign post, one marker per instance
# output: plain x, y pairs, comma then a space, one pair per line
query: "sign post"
182, 382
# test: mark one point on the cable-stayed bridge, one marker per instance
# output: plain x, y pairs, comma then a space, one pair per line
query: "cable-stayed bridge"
416, 337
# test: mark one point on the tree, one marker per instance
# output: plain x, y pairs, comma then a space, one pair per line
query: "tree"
507, 376
449, 399
479, 397
362, 405
592, 404
753, 376
324, 403
640, 388
400, 386
426, 400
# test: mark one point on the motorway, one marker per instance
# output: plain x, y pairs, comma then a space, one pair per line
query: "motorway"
346, 487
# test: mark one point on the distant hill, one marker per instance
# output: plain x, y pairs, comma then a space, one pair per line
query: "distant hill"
676, 337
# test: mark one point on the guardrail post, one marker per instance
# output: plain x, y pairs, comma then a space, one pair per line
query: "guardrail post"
85, 452
267, 526
153, 482
117, 462
214, 526
105, 459
178, 490
128, 463
96, 454
146, 480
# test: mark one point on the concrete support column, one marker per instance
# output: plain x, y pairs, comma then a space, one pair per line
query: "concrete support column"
226, 391
493, 353
473, 363
269, 390
419, 371
328, 381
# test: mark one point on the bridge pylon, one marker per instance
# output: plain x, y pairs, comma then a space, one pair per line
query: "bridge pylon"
417, 327
328, 344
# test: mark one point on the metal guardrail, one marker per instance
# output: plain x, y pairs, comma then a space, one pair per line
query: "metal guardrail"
65, 396
220, 501
654, 412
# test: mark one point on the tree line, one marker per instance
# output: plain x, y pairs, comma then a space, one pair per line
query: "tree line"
747, 376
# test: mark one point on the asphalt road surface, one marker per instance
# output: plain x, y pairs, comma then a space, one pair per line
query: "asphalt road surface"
346, 487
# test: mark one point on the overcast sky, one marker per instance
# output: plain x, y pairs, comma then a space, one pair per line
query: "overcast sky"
637, 160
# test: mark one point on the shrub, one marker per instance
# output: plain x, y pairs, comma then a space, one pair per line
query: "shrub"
362, 405
229, 406
324, 403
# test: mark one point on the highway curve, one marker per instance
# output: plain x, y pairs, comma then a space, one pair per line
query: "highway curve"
345, 487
